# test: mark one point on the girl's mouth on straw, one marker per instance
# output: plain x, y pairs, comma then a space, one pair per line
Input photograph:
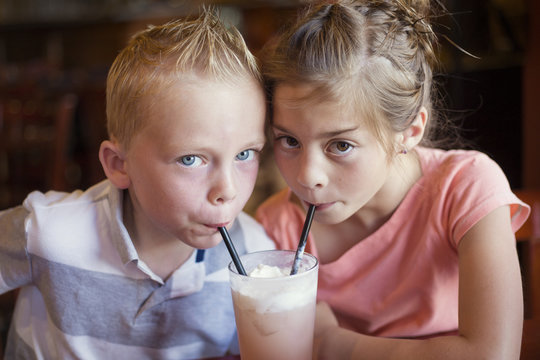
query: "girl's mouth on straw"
321, 206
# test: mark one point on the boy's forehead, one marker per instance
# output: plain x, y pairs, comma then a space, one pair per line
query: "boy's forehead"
186, 82
201, 109
182, 89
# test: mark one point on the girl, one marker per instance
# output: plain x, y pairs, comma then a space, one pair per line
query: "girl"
414, 242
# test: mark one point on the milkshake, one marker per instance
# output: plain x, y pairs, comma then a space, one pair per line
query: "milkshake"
275, 312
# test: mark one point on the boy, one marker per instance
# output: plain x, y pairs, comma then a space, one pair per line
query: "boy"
134, 267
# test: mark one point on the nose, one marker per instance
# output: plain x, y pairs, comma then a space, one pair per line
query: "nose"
310, 173
223, 187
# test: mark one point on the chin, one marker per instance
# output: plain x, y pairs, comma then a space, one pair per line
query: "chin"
331, 219
206, 242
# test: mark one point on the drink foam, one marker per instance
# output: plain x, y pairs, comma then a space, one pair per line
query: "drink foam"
266, 271
265, 296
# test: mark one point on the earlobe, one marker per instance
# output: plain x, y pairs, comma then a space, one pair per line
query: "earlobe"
113, 163
415, 132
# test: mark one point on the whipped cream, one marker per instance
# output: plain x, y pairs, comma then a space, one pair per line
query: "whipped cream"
266, 271
271, 294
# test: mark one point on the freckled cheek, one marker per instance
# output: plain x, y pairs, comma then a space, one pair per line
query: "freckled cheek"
355, 182
248, 175
187, 188
284, 163
177, 200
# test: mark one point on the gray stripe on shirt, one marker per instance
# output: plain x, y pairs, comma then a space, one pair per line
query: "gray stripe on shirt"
104, 306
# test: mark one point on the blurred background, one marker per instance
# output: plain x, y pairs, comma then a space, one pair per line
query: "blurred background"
55, 54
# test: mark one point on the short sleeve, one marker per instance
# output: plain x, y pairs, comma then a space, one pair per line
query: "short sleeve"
477, 187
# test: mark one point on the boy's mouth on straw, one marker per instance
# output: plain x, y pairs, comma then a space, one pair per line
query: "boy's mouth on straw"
216, 226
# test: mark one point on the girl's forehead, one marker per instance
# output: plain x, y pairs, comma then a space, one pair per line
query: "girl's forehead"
299, 95
308, 100
319, 121
299, 106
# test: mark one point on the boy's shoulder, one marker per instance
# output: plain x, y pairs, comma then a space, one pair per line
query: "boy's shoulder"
37, 199
54, 219
255, 236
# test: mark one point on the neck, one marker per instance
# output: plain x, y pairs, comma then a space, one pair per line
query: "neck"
334, 240
161, 252
404, 172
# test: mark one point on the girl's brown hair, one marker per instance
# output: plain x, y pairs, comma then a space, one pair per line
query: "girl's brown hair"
376, 55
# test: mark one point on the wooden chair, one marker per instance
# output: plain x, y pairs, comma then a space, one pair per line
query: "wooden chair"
35, 134
527, 237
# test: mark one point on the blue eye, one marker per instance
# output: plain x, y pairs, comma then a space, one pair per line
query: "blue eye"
245, 155
190, 160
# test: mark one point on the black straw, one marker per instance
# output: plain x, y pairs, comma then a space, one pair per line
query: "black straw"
232, 250
303, 239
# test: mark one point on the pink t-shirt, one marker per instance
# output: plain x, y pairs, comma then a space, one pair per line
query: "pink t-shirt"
402, 280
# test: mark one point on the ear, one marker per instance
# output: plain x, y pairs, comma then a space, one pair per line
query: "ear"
412, 136
113, 161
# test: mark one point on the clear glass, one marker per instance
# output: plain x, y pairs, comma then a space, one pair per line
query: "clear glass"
275, 317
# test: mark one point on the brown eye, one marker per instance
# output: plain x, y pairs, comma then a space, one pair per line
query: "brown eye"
287, 142
291, 141
340, 147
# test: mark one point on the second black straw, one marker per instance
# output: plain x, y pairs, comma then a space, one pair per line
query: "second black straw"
303, 239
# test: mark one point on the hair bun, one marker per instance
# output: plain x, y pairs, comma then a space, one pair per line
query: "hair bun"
417, 14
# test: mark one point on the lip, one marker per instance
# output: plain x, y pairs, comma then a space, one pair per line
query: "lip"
217, 225
321, 206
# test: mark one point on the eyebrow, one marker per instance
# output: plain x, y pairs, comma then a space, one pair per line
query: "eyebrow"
326, 134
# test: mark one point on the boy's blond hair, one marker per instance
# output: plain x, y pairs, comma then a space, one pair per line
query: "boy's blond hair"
159, 56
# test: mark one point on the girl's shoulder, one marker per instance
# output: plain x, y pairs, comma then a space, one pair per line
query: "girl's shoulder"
282, 203
463, 186
431, 158
282, 217
444, 168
